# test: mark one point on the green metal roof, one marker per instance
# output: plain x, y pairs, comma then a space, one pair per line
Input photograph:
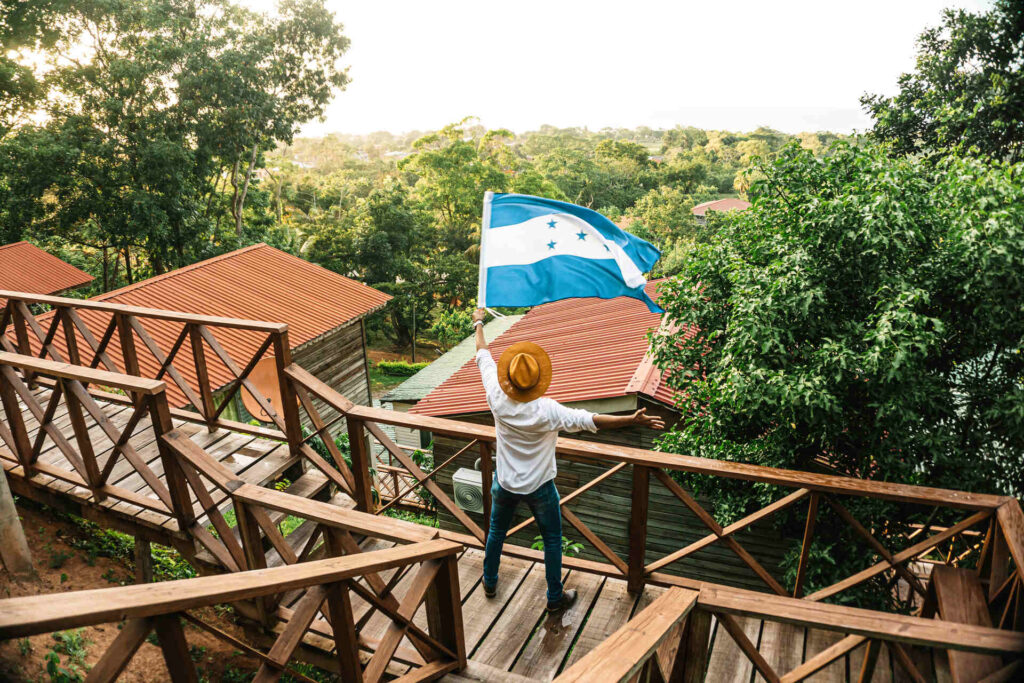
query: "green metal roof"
424, 381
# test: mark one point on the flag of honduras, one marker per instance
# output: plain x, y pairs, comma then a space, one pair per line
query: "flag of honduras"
535, 250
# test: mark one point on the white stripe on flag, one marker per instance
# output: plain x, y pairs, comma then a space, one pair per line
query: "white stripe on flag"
535, 240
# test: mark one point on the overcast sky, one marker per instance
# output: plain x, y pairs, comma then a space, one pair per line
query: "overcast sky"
790, 65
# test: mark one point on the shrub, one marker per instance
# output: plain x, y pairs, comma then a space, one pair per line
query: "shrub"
400, 368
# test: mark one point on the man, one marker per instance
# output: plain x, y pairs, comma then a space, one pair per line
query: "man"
527, 427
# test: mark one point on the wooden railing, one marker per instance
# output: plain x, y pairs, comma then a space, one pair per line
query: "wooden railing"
121, 339
668, 641
987, 532
75, 463
328, 588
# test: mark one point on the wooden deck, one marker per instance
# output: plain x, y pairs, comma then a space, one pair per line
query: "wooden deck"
253, 459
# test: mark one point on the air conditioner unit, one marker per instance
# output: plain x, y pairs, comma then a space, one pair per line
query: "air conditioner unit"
468, 485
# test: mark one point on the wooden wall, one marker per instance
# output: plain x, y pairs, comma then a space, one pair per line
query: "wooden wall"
338, 359
606, 508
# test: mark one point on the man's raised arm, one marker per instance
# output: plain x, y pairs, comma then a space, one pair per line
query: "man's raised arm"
640, 419
478, 323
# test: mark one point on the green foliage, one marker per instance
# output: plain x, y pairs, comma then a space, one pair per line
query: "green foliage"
452, 326
865, 312
569, 548
400, 368
966, 91
167, 104
59, 673
424, 518
57, 558
24, 647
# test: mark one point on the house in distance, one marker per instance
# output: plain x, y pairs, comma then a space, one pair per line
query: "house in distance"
24, 267
324, 312
728, 204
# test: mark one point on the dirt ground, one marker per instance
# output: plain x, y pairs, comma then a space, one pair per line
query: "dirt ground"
25, 659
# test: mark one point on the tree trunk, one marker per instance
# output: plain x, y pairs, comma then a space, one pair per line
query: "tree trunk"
106, 268
245, 191
117, 268
128, 265
13, 546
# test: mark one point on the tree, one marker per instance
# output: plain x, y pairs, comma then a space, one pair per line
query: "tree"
382, 240
967, 90
140, 131
452, 326
865, 312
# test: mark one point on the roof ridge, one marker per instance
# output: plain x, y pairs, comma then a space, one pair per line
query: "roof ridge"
134, 287
19, 243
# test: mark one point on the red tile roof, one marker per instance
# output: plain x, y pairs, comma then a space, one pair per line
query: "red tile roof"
25, 267
598, 349
727, 204
255, 283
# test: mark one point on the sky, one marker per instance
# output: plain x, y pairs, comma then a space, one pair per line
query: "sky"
793, 66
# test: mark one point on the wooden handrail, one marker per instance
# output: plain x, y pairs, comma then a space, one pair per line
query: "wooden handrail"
156, 313
612, 453
45, 613
130, 383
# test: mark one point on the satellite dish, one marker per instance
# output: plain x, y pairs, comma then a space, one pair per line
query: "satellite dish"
264, 378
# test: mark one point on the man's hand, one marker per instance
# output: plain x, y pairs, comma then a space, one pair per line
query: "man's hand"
479, 315
642, 419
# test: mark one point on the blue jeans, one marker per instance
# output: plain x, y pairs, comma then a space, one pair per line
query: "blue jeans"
544, 504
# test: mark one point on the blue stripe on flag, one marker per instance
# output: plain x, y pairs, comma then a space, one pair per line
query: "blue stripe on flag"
559, 277
511, 209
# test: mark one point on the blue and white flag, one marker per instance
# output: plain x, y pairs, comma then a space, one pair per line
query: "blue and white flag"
534, 250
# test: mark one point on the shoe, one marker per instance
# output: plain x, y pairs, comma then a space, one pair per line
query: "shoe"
565, 602
490, 591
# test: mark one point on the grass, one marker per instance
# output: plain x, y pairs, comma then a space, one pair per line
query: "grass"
381, 382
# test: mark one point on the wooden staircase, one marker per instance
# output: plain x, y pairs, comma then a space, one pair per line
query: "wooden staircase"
304, 539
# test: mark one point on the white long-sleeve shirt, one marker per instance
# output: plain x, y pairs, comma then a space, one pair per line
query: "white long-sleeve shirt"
527, 432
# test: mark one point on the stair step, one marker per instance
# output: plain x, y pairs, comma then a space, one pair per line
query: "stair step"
308, 485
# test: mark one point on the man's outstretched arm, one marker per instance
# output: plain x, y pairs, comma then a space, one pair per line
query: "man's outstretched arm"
638, 419
478, 316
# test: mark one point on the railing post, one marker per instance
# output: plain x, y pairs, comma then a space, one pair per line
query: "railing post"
21, 336
202, 377
444, 609
255, 555
16, 420
160, 416
289, 399
486, 478
805, 548
638, 527
691, 659
360, 450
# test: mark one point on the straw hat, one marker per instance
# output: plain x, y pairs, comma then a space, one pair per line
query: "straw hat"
524, 371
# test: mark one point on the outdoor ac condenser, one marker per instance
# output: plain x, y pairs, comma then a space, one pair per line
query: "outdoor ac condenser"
468, 487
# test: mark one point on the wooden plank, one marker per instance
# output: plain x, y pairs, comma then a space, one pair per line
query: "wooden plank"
120, 652
329, 515
127, 383
829, 657
882, 669
175, 649
782, 646
960, 598
142, 312
480, 612
444, 610
346, 641
818, 641
728, 664
623, 654
641, 497
747, 646
611, 610
508, 635
46, 613
691, 660
551, 641
893, 627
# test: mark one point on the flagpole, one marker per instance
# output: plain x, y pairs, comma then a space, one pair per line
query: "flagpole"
485, 224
